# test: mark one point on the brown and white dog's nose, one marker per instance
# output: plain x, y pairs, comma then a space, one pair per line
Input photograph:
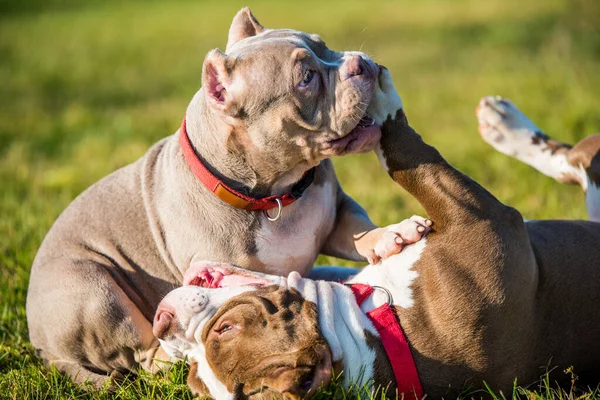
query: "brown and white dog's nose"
190, 306
163, 321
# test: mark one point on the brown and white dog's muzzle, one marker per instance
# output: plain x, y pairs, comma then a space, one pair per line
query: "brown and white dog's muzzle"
206, 286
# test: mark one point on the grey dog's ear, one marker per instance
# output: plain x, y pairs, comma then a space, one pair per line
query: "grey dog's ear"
244, 25
217, 80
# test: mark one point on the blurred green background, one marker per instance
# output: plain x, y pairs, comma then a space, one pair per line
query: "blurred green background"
87, 86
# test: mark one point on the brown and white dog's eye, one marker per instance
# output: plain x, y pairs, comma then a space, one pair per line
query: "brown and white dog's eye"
224, 327
306, 383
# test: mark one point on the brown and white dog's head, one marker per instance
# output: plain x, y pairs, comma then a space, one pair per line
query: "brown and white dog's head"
245, 335
285, 89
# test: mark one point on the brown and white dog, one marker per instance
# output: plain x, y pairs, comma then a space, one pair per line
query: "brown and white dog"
484, 297
271, 109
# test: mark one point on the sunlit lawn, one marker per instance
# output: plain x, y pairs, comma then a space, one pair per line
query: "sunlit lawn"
87, 87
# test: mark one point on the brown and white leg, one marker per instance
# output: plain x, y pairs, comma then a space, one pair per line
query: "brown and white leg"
509, 131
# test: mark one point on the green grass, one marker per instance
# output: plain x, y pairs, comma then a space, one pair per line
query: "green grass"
86, 87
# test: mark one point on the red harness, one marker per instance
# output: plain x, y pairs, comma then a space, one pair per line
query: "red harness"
230, 195
394, 342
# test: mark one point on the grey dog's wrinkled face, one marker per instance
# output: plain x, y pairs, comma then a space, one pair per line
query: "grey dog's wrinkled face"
285, 90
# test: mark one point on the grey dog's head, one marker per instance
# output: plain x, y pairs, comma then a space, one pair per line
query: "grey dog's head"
285, 90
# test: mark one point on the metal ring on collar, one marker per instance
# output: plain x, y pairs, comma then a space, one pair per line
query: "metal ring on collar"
279, 209
390, 299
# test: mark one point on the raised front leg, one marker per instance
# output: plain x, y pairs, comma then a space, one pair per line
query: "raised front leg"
448, 196
356, 238
472, 229
477, 267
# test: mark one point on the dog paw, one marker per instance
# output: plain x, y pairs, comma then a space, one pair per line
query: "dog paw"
386, 101
505, 127
391, 240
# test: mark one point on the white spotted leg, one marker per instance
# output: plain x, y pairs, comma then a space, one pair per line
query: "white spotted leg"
508, 130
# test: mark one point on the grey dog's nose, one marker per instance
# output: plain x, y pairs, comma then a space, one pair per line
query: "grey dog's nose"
355, 66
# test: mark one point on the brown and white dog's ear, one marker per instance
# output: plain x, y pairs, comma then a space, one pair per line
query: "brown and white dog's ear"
194, 382
244, 25
217, 80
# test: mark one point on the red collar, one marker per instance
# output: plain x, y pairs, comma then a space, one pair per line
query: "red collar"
394, 342
232, 196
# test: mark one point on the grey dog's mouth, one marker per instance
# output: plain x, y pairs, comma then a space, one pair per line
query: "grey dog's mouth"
366, 121
361, 139
218, 275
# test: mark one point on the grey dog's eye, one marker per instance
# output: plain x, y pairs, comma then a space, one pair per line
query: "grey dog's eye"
309, 74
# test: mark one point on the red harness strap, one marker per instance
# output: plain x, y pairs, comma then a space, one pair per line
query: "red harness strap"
394, 342
230, 195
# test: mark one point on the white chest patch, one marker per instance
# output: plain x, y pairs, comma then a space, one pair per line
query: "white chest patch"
592, 201
395, 274
292, 243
